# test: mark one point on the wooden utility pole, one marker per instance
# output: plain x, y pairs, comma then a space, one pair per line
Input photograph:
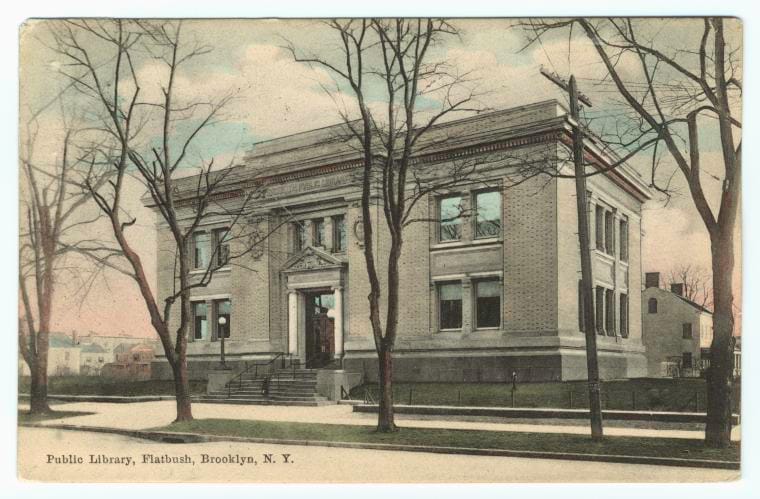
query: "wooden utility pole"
587, 281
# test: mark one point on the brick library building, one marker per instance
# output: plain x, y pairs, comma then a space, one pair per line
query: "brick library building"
489, 275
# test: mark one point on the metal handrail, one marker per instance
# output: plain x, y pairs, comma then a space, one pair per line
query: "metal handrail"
255, 365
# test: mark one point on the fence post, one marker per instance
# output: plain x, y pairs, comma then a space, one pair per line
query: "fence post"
633, 397
459, 397
571, 398
513, 398
410, 395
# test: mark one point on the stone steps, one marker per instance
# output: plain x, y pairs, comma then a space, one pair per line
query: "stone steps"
286, 387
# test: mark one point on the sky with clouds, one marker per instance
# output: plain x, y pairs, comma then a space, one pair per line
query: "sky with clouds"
275, 96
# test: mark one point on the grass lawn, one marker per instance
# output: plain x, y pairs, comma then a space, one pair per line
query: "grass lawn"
25, 417
524, 441
659, 394
95, 385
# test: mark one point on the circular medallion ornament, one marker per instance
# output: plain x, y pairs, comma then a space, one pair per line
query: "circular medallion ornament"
359, 231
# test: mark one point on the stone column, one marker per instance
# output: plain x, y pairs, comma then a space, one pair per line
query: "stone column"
292, 323
328, 240
468, 318
338, 337
308, 233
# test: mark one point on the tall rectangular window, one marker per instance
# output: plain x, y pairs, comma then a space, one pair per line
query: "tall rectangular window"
599, 305
599, 224
450, 305
339, 233
624, 315
488, 306
221, 242
609, 232
609, 312
450, 219
318, 226
299, 236
200, 320
624, 240
686, 361
686, 332
222, 309
488, 214
202, 249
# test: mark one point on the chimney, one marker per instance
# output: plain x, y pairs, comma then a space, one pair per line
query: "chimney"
652, 279
677, 288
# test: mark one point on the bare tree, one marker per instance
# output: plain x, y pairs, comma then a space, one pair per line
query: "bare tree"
675, 93
151, 140
52, 203
395, 54
697, 285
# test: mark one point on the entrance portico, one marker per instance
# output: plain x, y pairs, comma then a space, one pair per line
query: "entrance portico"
315, 307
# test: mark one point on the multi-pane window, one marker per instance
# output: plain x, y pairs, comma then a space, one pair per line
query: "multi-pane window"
221, 241
339, 233
299, 236
200, 320
599, 228
222, 309
624, 240
609, 233
488, 303
318, 227
450, 305
652, 305
686, 332
488, 214
624, 315
609, 312
450, 218
599, 303
202, 249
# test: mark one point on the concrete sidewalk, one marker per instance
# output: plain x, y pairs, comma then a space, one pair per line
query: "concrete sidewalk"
145, 415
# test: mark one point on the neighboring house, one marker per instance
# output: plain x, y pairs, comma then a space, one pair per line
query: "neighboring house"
63, 357
677, 332
93, 357
130, 362
481, 296
108, 342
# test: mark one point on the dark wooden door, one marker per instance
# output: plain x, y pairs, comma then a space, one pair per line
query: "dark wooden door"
321, 342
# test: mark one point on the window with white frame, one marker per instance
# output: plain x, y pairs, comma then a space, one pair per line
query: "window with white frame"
222, 245
201, 249
624, 315
339, 234
450, 305
487, 303
222, 312
200, 321
318, 231
487, 214
450, 218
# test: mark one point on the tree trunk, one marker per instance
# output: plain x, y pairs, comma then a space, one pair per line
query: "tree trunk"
385, 421
182, 390
721, 370
39, 388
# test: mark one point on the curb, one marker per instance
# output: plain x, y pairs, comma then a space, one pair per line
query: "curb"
541, 413
181, 438
116, 399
